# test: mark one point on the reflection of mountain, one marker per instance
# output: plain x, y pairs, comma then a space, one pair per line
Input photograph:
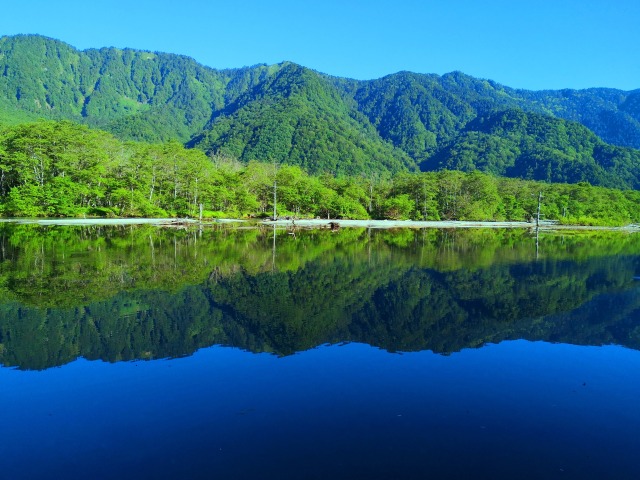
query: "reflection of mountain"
424, 309
436, 290
502, 306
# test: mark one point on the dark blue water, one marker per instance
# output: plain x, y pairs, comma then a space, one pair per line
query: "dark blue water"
515, 410
162, 354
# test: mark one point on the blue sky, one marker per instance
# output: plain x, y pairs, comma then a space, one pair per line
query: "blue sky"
535, 45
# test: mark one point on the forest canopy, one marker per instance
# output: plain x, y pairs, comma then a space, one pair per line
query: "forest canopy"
293, 115
64, 169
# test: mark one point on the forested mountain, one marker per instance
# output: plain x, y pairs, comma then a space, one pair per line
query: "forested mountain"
142, 95
419, 112
513, 143
296, 116
289, 113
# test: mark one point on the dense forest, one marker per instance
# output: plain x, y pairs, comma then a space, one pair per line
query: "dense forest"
516, 144
292, 115
64, 169
125, 293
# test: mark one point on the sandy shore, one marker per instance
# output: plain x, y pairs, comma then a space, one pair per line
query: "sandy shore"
436, 224
94, 221
396, 224
307, 223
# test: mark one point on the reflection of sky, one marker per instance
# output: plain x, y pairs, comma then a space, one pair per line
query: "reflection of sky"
503, 411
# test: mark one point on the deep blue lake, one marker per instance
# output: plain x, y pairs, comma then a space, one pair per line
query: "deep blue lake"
145, 353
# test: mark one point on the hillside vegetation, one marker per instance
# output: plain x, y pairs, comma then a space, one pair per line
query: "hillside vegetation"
345, 132
513, 143
51, 168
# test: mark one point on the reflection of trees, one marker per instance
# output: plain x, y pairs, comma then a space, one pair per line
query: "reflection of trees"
445, 312
168, 293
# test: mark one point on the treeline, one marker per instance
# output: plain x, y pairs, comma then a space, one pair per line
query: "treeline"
62, 169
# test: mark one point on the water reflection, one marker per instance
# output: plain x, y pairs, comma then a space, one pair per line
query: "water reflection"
140, 292
517, 409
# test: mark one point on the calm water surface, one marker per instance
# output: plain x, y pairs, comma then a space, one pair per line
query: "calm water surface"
145, 353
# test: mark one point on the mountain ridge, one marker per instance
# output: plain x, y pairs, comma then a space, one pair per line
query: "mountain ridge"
287, 112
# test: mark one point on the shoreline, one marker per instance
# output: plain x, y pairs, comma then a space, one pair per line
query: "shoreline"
310, 223
420, 224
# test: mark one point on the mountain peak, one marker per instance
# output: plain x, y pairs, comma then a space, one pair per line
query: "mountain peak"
284, 111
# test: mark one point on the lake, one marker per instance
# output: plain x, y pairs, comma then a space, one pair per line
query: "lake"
142, 352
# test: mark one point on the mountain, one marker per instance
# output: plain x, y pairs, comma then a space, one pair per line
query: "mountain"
138, 95
289, 113
513, 143
419, 112
284, 112
296, 116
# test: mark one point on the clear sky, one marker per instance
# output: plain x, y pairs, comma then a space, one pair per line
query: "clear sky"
523, 44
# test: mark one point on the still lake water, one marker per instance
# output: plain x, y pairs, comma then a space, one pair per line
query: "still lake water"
136, 352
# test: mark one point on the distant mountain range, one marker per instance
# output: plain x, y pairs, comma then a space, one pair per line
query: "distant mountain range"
289, 113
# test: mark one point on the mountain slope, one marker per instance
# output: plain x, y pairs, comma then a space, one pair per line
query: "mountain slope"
417, 112
287, 113
420, 113
514, 143
139, 95
297, 117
